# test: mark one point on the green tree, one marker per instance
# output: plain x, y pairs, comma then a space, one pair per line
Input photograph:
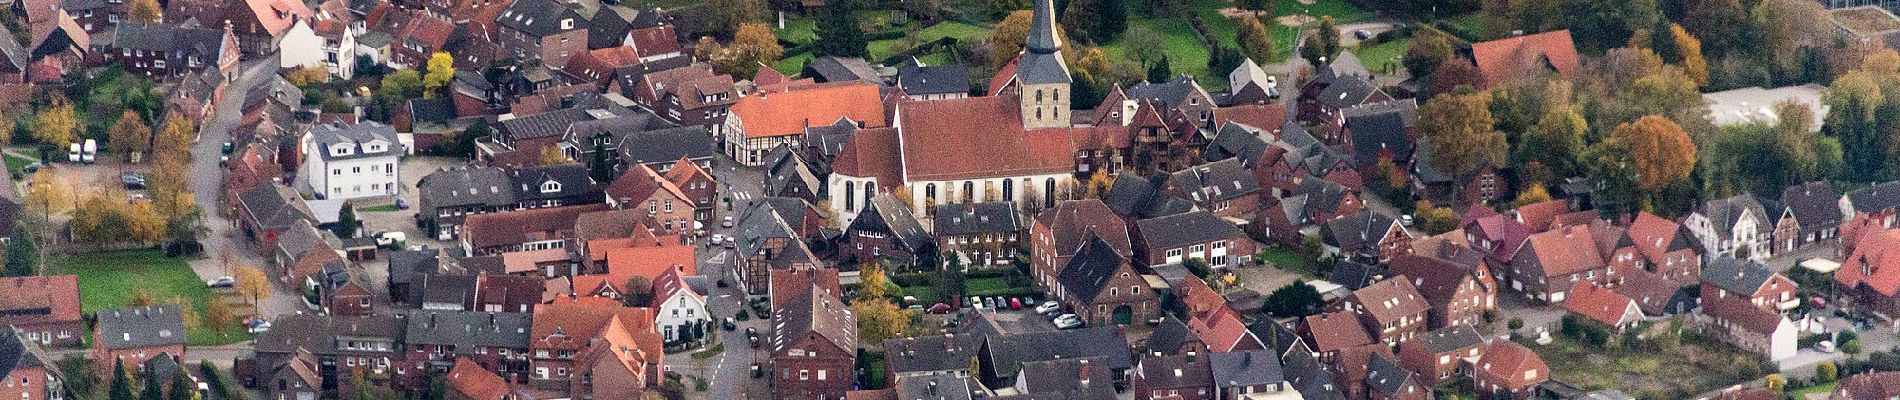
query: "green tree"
1098, 21
1598, 25
121, 383
1258, 7
1555, 143
346, 222
1296, 299
441, 70
129, 135
1459, 134
182, 388
603, 168
1145, 46
1429, 49
1319, 49
838, 31
400, 86
1826, 372
639, 291
154, 388
22, 252
727, 16
1160, 72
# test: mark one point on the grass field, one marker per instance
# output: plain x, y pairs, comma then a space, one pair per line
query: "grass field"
108, 280
977, 286
1677, 373
882, 49
1186, 54
790, 66
380, 208
1473, 22
799, 31
1377, 56
15, 163
1341, 11
1803, 393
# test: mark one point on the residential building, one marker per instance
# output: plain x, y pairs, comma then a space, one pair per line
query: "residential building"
546, 30
1550, 263
1664, 247
1102, 287
443, 340
1505, 60
886, 230
352, 161
1194, 235
1752, 281
1332, 332
759, 122
265, 212
1507, 369
699, 186
1243, 374
1868, 385
1392, 310
165, 51
1366, 235
660, 148
1442, 354
1871, 272
689, 96
1457, 293
933, 82
1180, 376
260, 25
43, 310
679, 307
813, 344
28, 376
1809, 215
667, 206
136, 334
593, 345
1749, 327
1605, 306
1386, 379
1012, 356
980, 235
1060, 231
1736, 227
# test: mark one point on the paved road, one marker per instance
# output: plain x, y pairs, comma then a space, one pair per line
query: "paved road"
209, 187
729, 374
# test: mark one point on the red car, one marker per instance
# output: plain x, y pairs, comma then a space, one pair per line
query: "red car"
1015, 303
941, 308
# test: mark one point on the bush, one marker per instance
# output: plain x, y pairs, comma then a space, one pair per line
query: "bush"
1851, 346
1826, 372
1515, 323
743, 316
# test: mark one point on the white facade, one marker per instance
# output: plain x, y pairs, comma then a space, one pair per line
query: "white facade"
676, 314
750, 151
851, 195
1745, 235
352, 165
299, 47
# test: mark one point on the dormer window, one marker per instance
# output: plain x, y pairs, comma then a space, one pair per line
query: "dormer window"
341, 149
550, 187
567, 23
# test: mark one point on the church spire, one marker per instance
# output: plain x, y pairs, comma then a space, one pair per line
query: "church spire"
1043, 37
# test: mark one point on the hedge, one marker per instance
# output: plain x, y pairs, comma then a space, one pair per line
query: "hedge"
215, 380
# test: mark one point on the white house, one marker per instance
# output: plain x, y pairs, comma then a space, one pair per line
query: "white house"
351, 161
1736, 227
677, 307
299, 46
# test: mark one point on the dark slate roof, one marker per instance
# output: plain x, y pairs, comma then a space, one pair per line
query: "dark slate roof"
274, 207
319, 334
573, 178
921, 80
757, 226
466, 186
467, 330
1725, 212
1009, 352
647, 18
16, 56
1184, 229
1173, 93
539, 18
665, 145
787, 168
1088, 273
1235, 140
439, 109
559, 122
1347, 92
1308, 376
1245, 368
1034, 68
630, 76
815, 311
404, 264
897, 219
1450, 338
1280, 337
974, 218
1377, 134
325, 135
155, 325
444, 289
1385, 375
1876, 198
1736, 275
14, 354
830, 139
935, 387
1352, 232
1216, 181
166, 38
1816, 205
1134, 196
931, 353
1296, 139
1043, 37
1066, 379
841, 69
1168, 337
1354, 275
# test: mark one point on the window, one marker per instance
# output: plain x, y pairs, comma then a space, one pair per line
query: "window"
1009, 190
336, 171
821, 374
550, 187
850, 195
804, 374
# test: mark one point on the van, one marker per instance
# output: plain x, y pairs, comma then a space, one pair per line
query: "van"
91, 152
72, 153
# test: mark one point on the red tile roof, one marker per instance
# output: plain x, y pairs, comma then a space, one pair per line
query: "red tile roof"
1601, 304
276, 15
871, 153
1263, 116
1653, 235
1507, 235
639, 184
672, 281
1740, 312
1335, 330
648, 261
1500, 60
1006, 74
1875, 262
976, 137
1650, 291
514, 227
1506, 361
1390, 300
653, 41
789, 113
1567, 251
59, 294
684, 171
1539, 215
472, 381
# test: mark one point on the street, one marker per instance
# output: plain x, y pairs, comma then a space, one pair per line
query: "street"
728, 374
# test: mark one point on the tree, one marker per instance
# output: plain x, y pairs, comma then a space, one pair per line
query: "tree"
880, 319
441, 70
121, 382
1319, 49
21, 253
838, 32
174, 138
1724, 23
346, 222
1555, 143
144, 11
1434, 220
57, 124
182, 388
1459, 132
1296, 299
1449, 76
166, 184
603, 168
218, 315
1853, 100
1145, 46
1533, 194
551, 155
1253, 38
1258, 7
50, 194
304, 77
1691, 48
252, 284
1098, 21
400, 86
129, 135
873, 283
1160, 72
1661, 151
1597, 25
187, 312
728, 16
1775, 382
1008, 37
752, 46
639, 291
1099, 183
1429, 49
1826, 372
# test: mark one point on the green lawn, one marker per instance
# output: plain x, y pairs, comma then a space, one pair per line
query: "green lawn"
1695, 366
1186, 54
791, 66
984, 285
799, 31
1377, 56
108, 280
15, 163
381, 208
1803, 393
1473, 22
882, 49
1290, 261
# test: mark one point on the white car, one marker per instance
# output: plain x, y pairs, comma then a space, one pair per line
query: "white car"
221, 282
1048, 306
727, 223
1070, 323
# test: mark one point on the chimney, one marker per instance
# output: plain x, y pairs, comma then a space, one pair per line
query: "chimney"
1085, 372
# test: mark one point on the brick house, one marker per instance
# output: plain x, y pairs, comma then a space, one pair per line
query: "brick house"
1387, 379
1456, 294
1749, 327
441, 340
669, 208
332, 348
543, 29
813, 345
468, 380
1552, 262
886, 230
1510, 370
1878, 203
1332, 332
1665, 247
1809, 215
1102, 287
1603, 305
1736, 226
1225, 187
1366, 235
1442, 354
1392, 310
1871, 273
699, 187
568, 336
351, 299
1199, 234
1059, 232
983, 235
265, 211
1240, 374
27, 376
1762, 287
44, 310
1184, 376
689, 96
136, 334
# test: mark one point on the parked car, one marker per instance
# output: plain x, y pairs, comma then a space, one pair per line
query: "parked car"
388, 239
1070, 323
1048, 307
31, 168
1825, 346
256, 325
402, 204
989, 302
1015, 303
726, 223
941, 308
729, 324
976, 302
91, 151
132, 181
228, 148
221, 282
1405, 220
1362, 34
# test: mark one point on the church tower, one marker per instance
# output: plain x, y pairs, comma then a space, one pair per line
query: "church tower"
1041, 74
